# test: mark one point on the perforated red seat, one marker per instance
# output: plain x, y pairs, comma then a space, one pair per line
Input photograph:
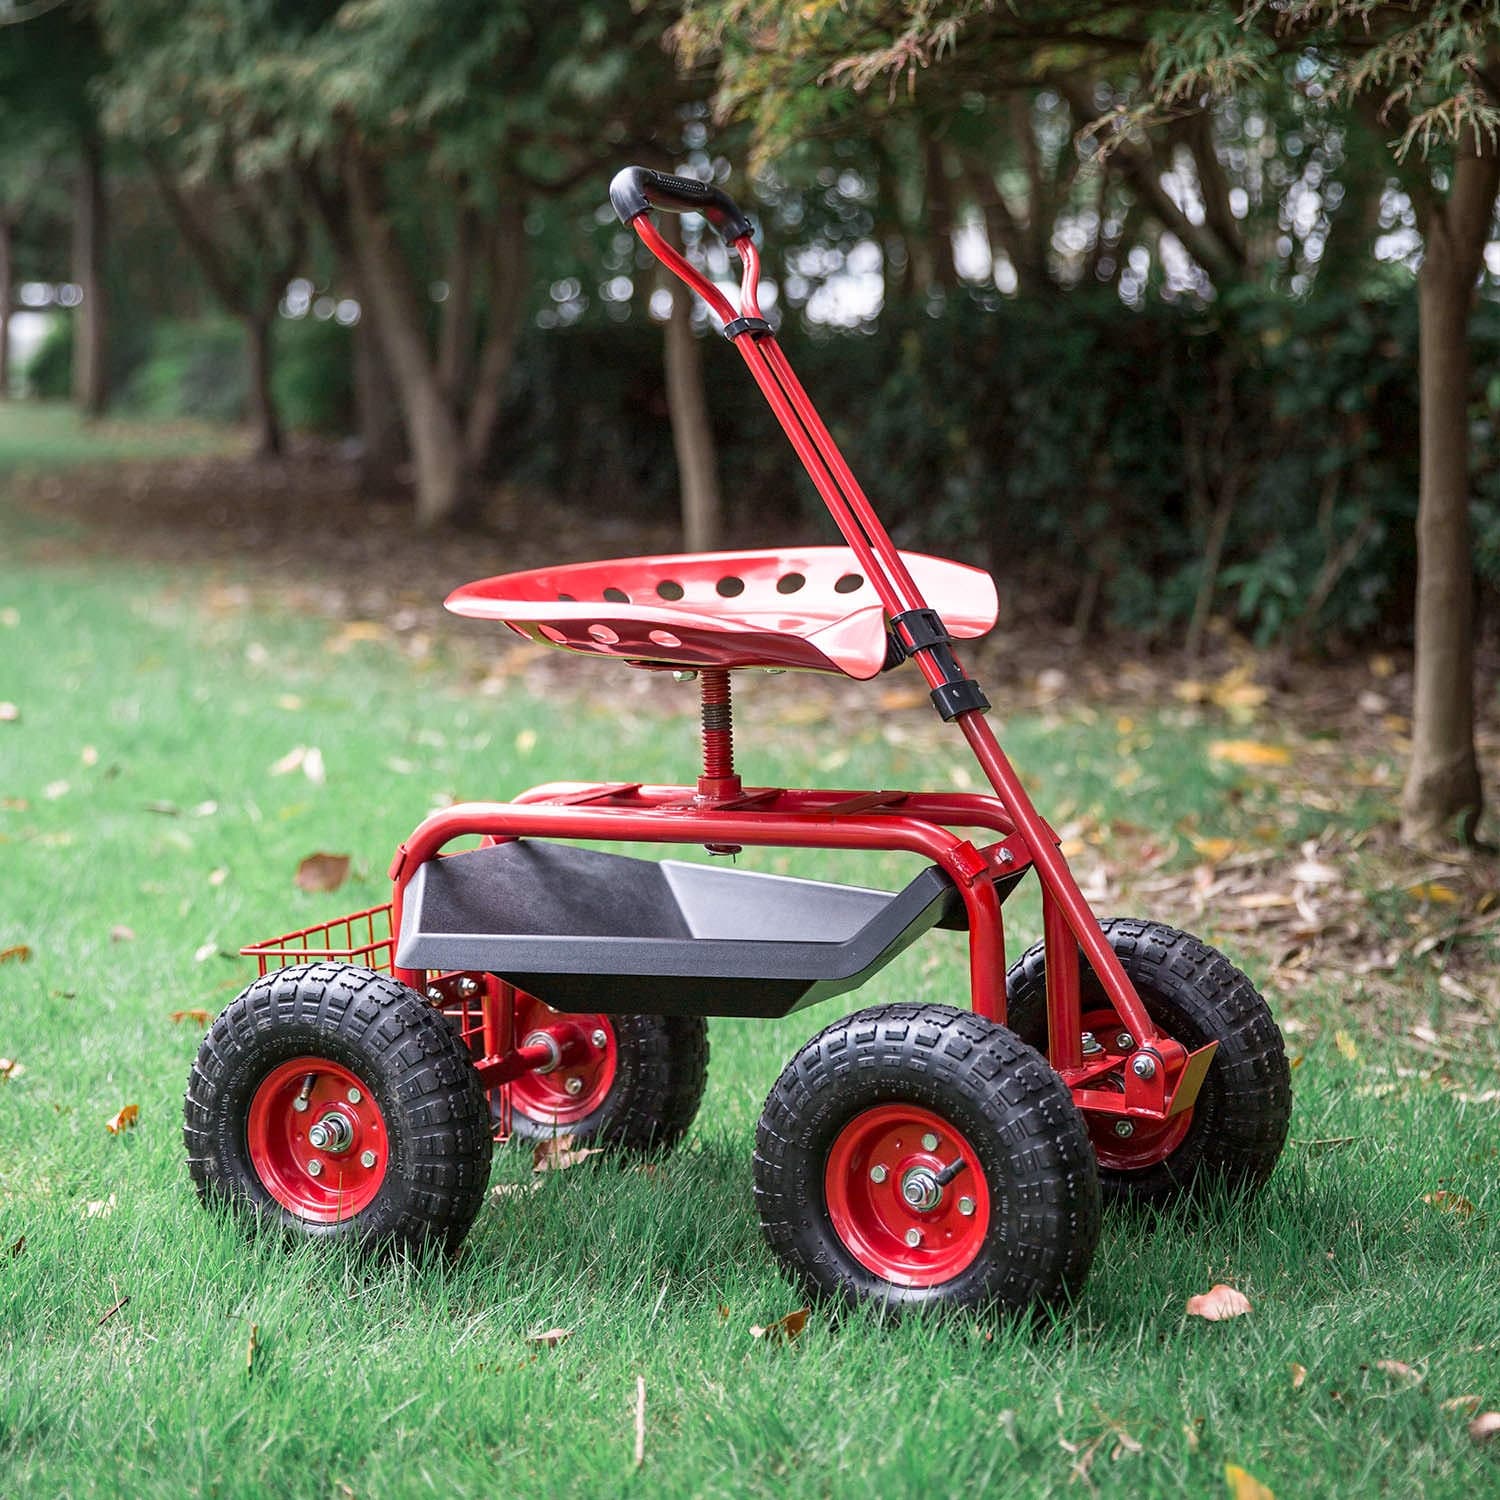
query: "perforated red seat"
807, 608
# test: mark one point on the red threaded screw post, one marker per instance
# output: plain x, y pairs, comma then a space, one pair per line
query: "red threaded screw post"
718, 781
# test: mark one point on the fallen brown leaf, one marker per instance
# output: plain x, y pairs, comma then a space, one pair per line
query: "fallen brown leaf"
198, 1016
1432, 890
1217, 1303
9, 1069
550, 1337
1245, 1486
322, 872
124, 1120
120, 933
1399, 1371
19, 953
1485, 1426
1449, 1203
1453, 1403
9, 713
99, 1208
558, 1153
1215, 850
20, 1246
786, 1328
1299, 1376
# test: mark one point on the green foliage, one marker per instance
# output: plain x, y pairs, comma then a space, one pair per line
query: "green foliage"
49, 371
193, 369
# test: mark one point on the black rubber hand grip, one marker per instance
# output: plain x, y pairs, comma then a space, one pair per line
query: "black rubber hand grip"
637, 190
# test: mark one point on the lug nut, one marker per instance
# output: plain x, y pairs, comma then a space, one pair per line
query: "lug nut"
467, 986
877, 1173
315, 1168
929, 1142
914, 1237
1125, 1042
966, 1207
434, 994
1144, 1067
599, 1037
574, 1085
367, 1158
1091, 1046
1124, 1129
354, 1096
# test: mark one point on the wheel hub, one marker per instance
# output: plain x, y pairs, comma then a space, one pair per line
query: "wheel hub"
580, 1069
920, 1189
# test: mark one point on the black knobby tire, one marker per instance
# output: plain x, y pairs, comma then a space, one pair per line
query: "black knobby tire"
436, 1129
661, 1070
1240, 1120
1010, 1108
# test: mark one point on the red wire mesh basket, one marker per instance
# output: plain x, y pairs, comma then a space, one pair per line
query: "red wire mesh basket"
363, 937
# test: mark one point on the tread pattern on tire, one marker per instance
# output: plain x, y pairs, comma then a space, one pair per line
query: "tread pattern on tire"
436, 1114
1014, 1110
661, 1070
1197, 996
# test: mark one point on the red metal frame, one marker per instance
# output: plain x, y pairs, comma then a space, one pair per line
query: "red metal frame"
1155, 1083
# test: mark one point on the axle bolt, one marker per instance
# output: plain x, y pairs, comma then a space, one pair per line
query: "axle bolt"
877, 1173
332, 1133
914, 1237
1091, 1046
929, 1142
354, 1096
574, 1085
434, 994
1124, 1129
367, 1158
468, 986
599, 1037
1125, 1042
315, 1168
1144, 1067
966, 1207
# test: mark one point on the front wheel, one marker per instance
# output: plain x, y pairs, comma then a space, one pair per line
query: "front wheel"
915, 1156
330, 1100
1237, 1127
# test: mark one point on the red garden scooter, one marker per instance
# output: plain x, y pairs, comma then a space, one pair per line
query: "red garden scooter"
909, 1154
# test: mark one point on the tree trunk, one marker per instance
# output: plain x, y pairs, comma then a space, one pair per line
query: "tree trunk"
90, 378
940, 225
456, 331
260, 404
376, 415
509, 281
1442, 796
445, 489
7, 292
692, 436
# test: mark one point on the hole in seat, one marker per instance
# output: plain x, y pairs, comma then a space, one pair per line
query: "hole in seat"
553, 634
566, 599
617, 596
664, 638
789, 583
730, 587
669, 588
848, 583
603, 634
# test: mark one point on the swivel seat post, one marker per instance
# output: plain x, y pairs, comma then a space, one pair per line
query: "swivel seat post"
718, 783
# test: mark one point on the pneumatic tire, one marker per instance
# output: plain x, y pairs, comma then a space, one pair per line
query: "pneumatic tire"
887, 1101
1238, 1126
331, 1101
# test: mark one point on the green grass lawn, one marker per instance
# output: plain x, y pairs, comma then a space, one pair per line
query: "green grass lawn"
137, 795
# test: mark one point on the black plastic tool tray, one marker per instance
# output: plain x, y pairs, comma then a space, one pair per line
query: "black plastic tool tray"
587, 931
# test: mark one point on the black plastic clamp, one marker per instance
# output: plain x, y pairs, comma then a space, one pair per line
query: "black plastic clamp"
736, 326
916, 630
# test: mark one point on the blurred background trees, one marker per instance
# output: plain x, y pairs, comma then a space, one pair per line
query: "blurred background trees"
1181, 317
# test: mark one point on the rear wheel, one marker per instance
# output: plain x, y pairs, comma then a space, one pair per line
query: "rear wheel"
331, 1100
1236, 1129
633, 1082
917, 1155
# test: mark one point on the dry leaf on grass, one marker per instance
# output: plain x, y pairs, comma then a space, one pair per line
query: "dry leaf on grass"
1431, 890
1449, 1203
1249, 753
20, 1246
322, 872
1485, 1426
204, 952
198, 1016
1299, 1376
1453, 1403
18, 953
1215, 850
9, 713
305, 758
1245, 1486
558, 1153
785, 1329
124, 1120
1399, 1371
550, 1337
120, 933
9, 1069
1218, 1303
99, 1208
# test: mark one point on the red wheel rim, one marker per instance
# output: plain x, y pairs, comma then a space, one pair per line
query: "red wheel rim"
1150, 1141
323, 1185
587, 1068
870, 1165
